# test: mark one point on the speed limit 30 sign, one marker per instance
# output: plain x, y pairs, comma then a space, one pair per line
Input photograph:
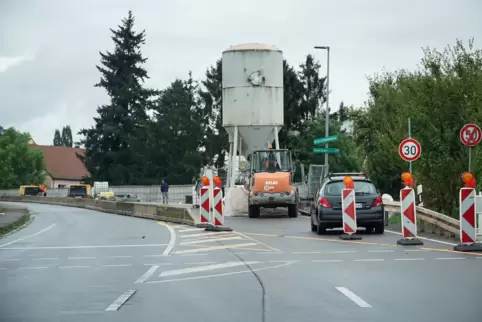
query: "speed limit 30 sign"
409, 150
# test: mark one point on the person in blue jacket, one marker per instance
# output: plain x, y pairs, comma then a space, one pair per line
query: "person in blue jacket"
164, 192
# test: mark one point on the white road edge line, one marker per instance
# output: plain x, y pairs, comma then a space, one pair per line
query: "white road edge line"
147, 274
423, 238
352, 296
327, 260
448, 258
409, 259
28, 236
81, 247
80, 266
33, 267
172, 240
369, 260
120, 300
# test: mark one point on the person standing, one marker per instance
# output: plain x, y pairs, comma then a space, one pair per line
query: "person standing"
164, 192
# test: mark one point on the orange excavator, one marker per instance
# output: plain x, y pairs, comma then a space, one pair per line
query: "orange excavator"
271, 182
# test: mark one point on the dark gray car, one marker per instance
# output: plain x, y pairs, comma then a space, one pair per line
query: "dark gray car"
326, 212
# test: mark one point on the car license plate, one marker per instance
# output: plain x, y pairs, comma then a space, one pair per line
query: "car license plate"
359, 205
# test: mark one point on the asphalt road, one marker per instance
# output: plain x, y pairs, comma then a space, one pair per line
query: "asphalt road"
72, 264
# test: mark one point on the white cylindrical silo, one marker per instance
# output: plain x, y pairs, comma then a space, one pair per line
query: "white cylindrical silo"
252, 81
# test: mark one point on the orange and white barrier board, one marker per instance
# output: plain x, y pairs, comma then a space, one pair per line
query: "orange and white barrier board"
349, 211
205, 204
408, 211
468, 226
218, 207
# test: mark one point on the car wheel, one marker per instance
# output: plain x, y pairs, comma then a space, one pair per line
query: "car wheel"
380, 228
321, 229
313, 226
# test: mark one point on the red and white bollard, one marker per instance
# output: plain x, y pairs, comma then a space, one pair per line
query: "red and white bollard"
349, 211
468, 216
205, 205
218, 207
408, 213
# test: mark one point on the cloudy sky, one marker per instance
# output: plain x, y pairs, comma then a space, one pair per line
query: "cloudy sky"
49, 49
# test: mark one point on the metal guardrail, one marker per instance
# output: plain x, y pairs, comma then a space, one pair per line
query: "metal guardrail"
430, 221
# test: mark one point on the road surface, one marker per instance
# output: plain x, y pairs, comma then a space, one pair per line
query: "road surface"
73, 264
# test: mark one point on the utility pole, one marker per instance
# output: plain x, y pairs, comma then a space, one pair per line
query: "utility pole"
327, 106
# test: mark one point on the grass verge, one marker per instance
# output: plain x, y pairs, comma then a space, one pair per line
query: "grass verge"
19, 223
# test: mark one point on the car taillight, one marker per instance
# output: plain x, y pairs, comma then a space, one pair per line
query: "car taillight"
325, 203
377, 202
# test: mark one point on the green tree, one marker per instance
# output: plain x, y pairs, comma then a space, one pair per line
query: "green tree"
66, 136
57, 138
313, 88
19, 163
216, 143
439, 98
178, 132
122, 123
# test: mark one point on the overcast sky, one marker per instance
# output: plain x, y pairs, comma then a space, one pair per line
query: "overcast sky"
49, 49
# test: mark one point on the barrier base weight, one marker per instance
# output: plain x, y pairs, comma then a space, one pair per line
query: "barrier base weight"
475, 247
410, 242
350, 237
204, 225
218, 228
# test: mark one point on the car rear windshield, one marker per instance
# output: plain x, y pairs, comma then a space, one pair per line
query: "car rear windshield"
31, 190
78, 190
362, 187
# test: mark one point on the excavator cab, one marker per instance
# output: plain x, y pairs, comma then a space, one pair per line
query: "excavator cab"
271, 161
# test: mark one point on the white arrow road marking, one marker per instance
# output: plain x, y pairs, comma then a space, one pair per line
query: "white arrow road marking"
206, 234
287, 263
352, 296
197, 250
120, 300
204, 268
201, 241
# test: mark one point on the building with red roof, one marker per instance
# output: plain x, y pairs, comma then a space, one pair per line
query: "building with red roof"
64, 168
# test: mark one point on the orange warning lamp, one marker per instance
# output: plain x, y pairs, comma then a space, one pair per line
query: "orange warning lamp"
407, 179
205, 181
469, 180
217, 181
348, 181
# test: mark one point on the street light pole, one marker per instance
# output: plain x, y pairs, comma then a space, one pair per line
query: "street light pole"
327, 107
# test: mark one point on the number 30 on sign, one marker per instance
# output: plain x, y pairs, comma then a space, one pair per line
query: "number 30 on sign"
409, 150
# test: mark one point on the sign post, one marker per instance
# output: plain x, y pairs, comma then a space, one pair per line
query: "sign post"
470, 136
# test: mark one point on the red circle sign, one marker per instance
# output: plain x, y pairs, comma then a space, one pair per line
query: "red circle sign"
470, 134
409, 150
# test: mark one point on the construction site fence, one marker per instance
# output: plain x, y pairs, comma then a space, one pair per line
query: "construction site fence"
178, 194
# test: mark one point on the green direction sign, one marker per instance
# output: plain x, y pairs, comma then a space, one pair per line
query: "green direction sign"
327, 139
326, 150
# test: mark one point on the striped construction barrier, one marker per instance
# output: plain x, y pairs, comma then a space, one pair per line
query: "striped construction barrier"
408, 218
205, 205
218, 207
348, 214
